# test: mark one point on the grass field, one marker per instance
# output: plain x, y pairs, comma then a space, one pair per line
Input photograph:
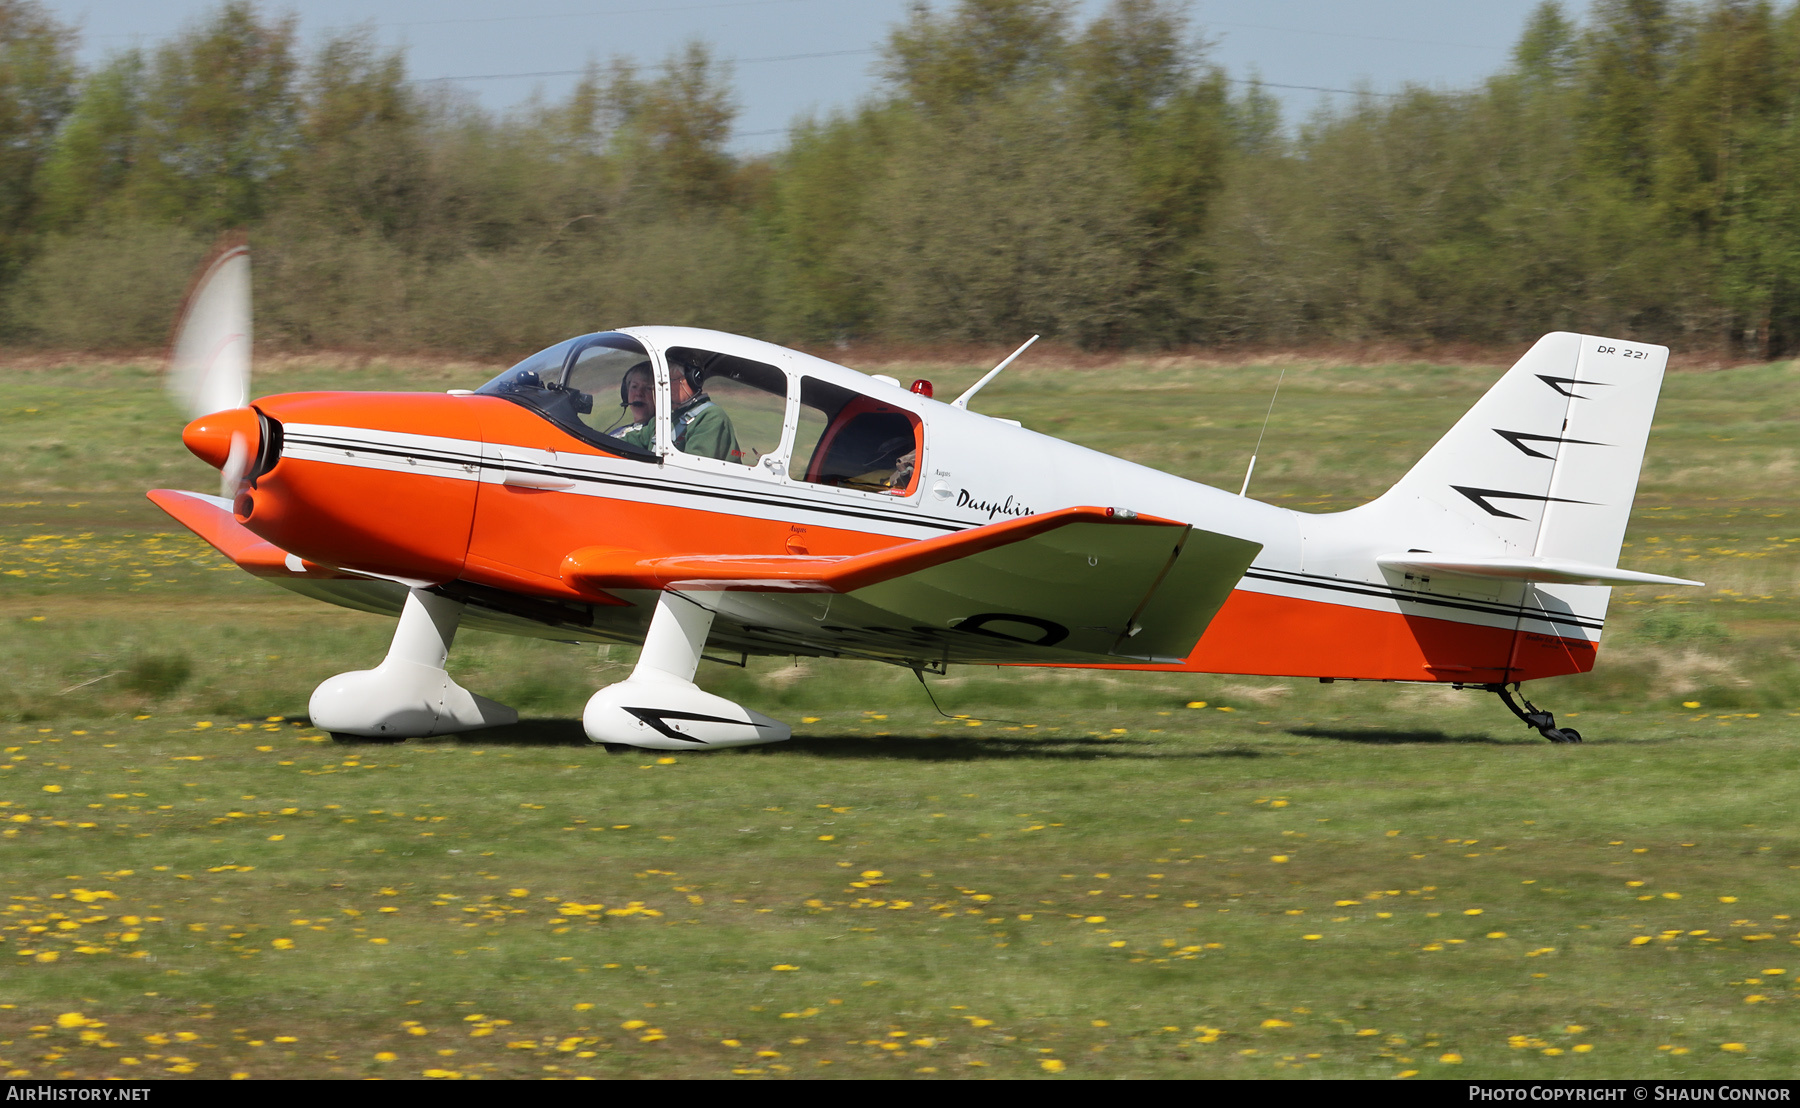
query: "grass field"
1083, 875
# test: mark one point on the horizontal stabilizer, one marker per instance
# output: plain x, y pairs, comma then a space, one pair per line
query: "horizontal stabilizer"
1552, 571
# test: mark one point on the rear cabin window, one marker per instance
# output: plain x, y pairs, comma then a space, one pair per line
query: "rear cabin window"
852, 441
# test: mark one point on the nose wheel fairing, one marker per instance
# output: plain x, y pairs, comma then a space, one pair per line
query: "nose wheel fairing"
409, 695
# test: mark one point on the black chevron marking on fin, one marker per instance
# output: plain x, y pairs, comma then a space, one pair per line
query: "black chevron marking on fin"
1561, 384
1515, 438
1480, 498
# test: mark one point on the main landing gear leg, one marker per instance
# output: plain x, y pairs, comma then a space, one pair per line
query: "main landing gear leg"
1536, 717
660, 708
408, 694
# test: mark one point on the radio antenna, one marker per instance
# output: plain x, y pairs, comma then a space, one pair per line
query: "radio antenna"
963, 400
1265, 430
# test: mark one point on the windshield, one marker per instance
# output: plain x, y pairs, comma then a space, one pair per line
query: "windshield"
580, 384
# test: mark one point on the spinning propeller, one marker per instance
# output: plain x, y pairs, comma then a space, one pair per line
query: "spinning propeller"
209, 365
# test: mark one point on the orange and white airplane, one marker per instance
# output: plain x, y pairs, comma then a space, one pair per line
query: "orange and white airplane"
701, 492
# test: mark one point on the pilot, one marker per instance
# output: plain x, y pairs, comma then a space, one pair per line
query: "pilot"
637, 395
699, 426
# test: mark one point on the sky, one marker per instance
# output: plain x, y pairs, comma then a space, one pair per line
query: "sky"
794, 57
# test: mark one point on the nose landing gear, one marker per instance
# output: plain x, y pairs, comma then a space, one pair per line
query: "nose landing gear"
408, 694
1535, 717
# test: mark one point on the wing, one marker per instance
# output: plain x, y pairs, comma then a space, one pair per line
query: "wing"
1080, 584
210, 518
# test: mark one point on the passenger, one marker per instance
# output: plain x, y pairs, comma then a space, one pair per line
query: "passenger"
700, 426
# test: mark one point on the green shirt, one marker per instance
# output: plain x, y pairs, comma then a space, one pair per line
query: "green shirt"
638, 434
701, 427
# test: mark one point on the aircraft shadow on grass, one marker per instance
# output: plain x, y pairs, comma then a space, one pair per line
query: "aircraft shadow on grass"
917, 747
1373, 736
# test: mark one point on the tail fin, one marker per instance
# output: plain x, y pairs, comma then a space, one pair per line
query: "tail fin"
1498, 547
1545, 466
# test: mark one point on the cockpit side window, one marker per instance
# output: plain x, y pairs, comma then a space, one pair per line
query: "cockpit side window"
584, 385
853, 441
731, 408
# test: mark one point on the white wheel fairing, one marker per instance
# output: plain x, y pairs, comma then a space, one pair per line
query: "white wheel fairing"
674, 715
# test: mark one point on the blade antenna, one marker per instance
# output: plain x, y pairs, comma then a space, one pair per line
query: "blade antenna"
1265, 430
963, 400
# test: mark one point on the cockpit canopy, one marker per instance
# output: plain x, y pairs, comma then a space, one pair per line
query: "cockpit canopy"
728, 407
580, 384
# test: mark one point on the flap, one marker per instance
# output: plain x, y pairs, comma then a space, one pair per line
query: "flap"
1549, 571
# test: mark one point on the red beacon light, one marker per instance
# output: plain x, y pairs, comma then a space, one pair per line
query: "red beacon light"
922, 387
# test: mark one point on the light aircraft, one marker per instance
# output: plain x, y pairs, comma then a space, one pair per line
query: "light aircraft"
594, 493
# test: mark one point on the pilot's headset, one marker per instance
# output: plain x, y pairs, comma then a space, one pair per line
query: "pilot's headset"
696, 376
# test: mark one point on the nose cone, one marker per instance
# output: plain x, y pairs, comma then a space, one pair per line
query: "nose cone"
209, 437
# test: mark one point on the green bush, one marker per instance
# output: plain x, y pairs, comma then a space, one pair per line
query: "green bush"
158, 675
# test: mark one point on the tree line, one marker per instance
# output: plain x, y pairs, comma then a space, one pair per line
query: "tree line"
1631, 171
